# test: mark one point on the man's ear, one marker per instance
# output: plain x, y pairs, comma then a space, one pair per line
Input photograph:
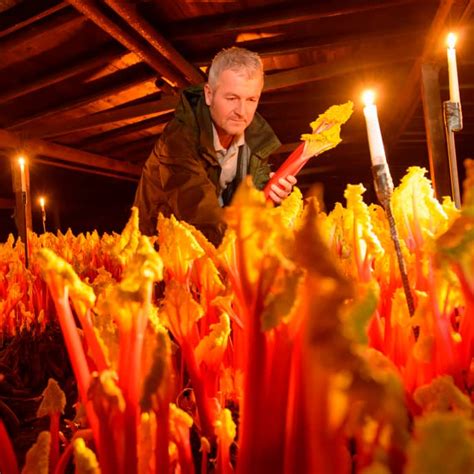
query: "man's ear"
207, 94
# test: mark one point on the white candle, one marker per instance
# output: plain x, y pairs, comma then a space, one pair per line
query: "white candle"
21, 161
453, 70
377, 150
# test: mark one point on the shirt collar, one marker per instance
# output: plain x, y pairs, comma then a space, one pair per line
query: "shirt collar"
239, 140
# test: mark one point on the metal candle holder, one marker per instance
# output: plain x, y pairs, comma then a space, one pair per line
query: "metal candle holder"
23, 200
384, 189
43, 218
452, 115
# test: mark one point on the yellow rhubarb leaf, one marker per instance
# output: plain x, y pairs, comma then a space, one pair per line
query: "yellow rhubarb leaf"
180, 310
225, 427
442, 442
442, 395
178, 246
85, 459
53, 401
211, 348
37, 457
326, 129
56, 269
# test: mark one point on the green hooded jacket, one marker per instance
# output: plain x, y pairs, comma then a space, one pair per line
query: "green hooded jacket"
181, 175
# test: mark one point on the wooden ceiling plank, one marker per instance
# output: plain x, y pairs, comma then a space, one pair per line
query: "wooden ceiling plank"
147, 54
134, 75
28, 42
40, 159
111, 135
273, 82
21, 17
33, 147
61, 74
129, 13
274, 15
116, 114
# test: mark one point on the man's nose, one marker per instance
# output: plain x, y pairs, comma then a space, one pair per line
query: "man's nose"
240, 108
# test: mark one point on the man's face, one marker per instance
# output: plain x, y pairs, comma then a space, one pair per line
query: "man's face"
233, 101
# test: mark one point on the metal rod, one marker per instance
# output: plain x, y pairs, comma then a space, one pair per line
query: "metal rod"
384, 189
24, 203
452, 115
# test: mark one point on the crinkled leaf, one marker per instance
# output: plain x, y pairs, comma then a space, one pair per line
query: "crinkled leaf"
53, 401
442, 443
85, 459
37, 457
211, 347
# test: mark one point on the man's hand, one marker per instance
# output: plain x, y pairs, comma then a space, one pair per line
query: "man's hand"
282, 189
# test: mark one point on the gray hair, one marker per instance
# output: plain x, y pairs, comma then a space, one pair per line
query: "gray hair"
236, 59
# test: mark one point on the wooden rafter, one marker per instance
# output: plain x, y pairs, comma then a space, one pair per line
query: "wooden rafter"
379, 55
129, 13
146, 53
120, 80
36, 147
22, 17
29, 41
61, 74
266, 17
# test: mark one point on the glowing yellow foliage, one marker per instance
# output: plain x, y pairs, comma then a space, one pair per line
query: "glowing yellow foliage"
178, 246
211, 348
53, 401
56, 269
326, 129
179, 311
37, 457
85, 459
225, 427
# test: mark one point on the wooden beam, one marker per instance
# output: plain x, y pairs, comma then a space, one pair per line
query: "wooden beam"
437, 152
21, 15
110, 136
99, 89
78, 67
37, 38
116, 114
327, 46
34, 147
377, 57
267, 17
148, 32
108, 174
146, 53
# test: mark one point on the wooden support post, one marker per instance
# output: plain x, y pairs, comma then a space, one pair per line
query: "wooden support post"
436, 140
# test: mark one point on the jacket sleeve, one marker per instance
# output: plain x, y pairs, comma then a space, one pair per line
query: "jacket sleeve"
175, 181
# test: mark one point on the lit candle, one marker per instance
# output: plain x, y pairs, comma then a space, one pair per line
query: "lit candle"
377, 150
453, 69
43, 212
21, 161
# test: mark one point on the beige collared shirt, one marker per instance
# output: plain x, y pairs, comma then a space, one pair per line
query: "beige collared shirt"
227, 157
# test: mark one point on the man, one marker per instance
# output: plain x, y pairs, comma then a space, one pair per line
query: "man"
214, 140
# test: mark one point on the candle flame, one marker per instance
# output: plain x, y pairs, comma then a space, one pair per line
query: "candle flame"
368, 97
451, 40
21, 161
41, 201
